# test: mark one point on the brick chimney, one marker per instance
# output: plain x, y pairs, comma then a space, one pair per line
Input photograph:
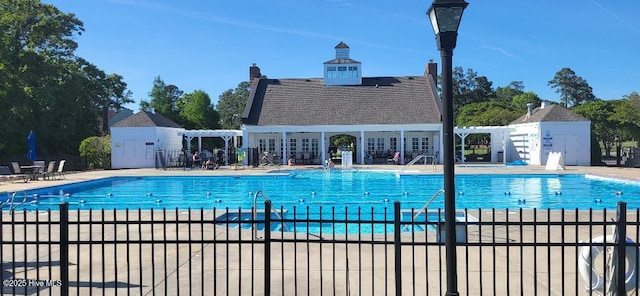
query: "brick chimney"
254, 73
432, 69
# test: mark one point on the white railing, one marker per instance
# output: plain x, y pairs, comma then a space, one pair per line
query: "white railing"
12, 200
418, 158
424, 208
255, 213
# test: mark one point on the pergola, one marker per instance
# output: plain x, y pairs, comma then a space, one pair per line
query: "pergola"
463, 132
226, 135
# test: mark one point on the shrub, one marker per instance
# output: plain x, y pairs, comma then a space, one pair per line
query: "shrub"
97, 152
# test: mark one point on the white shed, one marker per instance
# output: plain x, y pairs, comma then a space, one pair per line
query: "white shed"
135, 139
551, 128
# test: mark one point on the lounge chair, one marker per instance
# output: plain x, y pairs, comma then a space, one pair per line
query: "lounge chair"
60, 171
5, 173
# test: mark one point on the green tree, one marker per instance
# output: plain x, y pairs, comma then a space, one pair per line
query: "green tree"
604, 126
468, 88
114, 96
573, 89
519, 102
197, 111
627, 113
109, 91
492, 113
42, 83
231, 106
629, 109
506, 94
164, 99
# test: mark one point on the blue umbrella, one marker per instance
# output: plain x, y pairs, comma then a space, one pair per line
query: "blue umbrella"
31, 139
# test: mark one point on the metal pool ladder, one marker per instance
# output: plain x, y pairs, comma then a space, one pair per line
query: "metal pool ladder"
12, 200
419, 157
424, 208
255, 212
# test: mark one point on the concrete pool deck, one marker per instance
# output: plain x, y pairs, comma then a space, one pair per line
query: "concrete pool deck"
502, 264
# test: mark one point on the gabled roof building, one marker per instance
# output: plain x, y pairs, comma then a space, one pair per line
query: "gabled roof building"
297, 117
136, 139
551, 128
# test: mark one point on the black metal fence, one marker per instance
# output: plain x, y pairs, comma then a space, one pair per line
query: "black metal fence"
398, 252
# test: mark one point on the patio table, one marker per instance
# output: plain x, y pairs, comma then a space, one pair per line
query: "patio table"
32, 170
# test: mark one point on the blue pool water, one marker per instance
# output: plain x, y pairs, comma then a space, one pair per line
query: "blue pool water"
355, 190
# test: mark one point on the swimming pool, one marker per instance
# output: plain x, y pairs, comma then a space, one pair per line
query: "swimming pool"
340, 189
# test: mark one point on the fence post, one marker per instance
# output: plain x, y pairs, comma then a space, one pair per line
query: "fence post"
621, 245
267, 247
397, 246
64, 248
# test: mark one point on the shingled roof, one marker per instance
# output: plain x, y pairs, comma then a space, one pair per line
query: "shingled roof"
146, 119
379, 100
550, 113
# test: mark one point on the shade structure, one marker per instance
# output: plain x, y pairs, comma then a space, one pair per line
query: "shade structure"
31, 140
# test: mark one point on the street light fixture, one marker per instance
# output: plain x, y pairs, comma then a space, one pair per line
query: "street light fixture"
445, 16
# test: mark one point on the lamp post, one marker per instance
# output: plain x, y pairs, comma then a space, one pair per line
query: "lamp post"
445, 16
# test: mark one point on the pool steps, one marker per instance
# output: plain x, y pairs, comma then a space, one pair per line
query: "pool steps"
255, 212
424, 208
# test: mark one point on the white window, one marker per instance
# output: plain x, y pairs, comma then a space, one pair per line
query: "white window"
331, 72
314, 147
292, 146
380, 146
352, 72
305, 145
371, 144
262, 145
342, 72
393, 144
425, 145
272, 145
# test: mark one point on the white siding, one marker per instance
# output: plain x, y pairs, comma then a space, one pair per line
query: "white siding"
571, 139
135, 147
532, 142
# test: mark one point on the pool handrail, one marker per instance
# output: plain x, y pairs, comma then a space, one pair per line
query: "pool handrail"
424, 208
269, 161
255, 213
12, 200
417, 158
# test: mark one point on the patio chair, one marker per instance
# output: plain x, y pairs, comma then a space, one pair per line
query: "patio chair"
5, 173
51, 168
17, 173
60, 171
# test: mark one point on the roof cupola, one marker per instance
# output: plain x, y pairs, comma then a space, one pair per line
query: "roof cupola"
342, 70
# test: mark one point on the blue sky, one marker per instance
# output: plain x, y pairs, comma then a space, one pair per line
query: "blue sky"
209, 45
